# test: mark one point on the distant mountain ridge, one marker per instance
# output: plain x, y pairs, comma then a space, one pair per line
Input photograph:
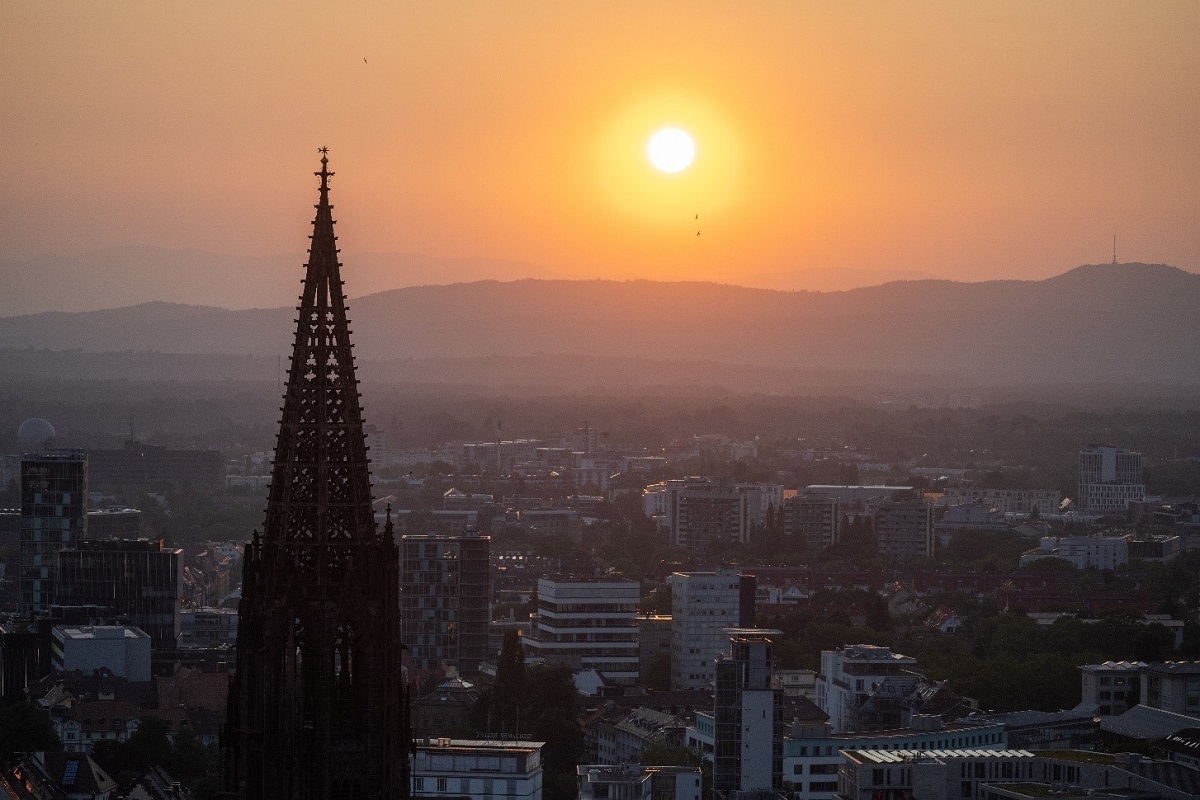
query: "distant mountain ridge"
1108, 322
135, 274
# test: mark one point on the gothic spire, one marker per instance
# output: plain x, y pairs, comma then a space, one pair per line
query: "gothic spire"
317, 706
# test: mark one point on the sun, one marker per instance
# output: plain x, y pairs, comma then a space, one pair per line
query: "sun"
671, 150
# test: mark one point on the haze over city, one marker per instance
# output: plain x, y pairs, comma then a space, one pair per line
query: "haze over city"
835, 145
686, 401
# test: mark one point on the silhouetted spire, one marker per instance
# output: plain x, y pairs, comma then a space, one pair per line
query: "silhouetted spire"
317, 707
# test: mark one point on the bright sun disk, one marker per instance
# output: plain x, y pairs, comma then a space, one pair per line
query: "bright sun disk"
671, 150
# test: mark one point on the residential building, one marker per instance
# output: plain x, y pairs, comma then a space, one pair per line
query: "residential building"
1113, 687
137, 579
477, 769
849, 674
1085, 552
812, 755
54, 487
445, 710
747, 719
638, 782
763, 500
858, 500
812, 519
122, 650
1006, 501
704, 605
208, 627
1172, 686
904, 527
445, 600
587, 625
703, 513
621, 736
1110, 478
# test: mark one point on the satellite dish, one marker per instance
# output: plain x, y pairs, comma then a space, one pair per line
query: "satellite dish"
34, 433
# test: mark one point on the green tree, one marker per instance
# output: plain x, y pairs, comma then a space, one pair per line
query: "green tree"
25, 728
551, 716
508, 694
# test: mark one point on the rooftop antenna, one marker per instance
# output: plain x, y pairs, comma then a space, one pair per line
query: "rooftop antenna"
1114, 248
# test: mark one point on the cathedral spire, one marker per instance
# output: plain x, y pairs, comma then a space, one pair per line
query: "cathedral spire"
317, 707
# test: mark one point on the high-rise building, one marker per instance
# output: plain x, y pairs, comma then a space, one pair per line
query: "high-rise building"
54, 488
812, 519
704, 606
445, 599
318, 705
904, 527
588, 625
701, 513
747, 719
704, 512
134, 578
1110, 478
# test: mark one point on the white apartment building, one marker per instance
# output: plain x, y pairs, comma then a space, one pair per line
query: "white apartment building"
125, 651
588, 625
704, 605
849, 673
1110, 478
477, 769
1085, 552
1008, 501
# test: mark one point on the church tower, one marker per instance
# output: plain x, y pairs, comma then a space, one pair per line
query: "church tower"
317, 708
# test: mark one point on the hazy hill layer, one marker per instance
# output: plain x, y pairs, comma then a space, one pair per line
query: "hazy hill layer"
1096, 324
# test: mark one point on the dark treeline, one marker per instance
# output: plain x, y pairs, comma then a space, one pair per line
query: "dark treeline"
240, 416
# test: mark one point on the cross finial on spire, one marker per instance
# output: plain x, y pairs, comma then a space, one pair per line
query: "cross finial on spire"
324, 174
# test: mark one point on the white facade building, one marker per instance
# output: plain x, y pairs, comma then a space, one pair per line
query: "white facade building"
1085, 552
477, 769
703, 606
1110, 478
588, 625
636, 782
124, 651
850, 673
812, 755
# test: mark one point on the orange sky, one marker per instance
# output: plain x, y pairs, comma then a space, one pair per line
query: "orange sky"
962, 140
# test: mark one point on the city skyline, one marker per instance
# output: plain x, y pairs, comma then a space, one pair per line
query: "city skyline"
849, 144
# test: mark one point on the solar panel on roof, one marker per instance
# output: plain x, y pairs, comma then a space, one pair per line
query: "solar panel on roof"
69, 773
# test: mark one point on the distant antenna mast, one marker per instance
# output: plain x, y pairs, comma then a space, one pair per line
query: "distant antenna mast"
1114, 248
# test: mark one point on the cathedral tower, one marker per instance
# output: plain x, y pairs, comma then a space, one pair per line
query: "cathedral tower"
317, 707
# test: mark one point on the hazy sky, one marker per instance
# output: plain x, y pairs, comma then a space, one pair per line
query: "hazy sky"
969, 140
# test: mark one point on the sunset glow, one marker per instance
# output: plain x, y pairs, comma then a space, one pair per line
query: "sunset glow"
671, 150
966, 141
